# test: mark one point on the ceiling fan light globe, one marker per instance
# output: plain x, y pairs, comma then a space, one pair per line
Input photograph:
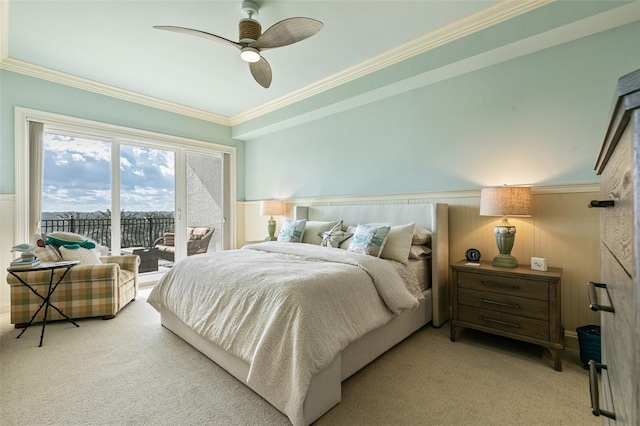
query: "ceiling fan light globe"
250, 55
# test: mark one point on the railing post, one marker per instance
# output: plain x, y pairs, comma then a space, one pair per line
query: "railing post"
72, 224
150, 219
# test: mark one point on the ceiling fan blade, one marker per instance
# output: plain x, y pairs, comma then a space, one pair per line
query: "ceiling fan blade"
199, 34
287, 32
261, 71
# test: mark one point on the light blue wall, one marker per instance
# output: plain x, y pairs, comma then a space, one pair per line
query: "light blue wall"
28, 92
536, 119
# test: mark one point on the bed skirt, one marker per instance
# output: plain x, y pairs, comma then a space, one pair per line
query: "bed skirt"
325, 389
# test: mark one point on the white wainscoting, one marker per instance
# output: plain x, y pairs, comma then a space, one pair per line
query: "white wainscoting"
7, 240
561, 229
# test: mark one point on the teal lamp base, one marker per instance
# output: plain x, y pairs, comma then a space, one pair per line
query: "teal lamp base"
505, 237
271, 228
505, 261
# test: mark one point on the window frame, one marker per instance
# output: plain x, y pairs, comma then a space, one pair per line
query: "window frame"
118, 135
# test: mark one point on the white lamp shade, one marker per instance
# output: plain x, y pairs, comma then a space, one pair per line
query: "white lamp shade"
271, 208
505, 201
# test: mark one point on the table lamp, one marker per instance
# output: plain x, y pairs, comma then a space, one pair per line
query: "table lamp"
505, 201
270, 208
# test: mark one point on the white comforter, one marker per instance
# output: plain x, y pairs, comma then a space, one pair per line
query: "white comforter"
287, 309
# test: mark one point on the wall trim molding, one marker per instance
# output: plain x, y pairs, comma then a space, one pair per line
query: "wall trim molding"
43, 73
440, 195
7, 240
485, 18
482, 19
554, 37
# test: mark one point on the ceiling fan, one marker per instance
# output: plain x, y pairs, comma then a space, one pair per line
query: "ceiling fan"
252, 40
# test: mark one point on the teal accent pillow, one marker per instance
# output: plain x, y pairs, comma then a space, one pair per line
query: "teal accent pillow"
369, 239
292, 231
69, 240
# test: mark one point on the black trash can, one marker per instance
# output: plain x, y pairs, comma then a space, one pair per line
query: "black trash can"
589, 341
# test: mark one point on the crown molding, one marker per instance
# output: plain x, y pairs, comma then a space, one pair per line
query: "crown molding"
48, 74
482, 19
487, 17
4, 29
500, 12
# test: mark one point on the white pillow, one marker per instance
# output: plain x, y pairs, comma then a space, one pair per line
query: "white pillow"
85, 256
398, 243
368, 239
420, 236
419, 252
292, 231
313, 229
48, 253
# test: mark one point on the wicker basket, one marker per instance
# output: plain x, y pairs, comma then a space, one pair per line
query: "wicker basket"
589, 341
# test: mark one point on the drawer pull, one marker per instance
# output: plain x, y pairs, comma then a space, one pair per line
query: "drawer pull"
493, 302
510, 324
593, 298
601, 203
593, 391
491, 284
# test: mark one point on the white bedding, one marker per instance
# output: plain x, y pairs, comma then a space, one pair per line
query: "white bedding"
287, 309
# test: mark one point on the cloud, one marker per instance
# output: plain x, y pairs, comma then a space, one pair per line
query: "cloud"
77, 176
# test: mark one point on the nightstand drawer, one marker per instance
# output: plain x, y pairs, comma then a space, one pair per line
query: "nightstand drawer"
523, 326
503, 285
531, 308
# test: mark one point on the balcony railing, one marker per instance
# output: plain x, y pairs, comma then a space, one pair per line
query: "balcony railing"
134, 232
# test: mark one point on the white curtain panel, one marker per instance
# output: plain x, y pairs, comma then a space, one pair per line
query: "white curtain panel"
36, 166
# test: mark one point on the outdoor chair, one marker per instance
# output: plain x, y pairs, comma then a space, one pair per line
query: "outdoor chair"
197, 242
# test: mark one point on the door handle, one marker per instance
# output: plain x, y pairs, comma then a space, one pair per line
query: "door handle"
601, 203
593, 298
594, 393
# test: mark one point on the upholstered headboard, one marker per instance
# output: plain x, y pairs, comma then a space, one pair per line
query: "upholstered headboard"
432, 216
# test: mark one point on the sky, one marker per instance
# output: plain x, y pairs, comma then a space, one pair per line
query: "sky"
77, 176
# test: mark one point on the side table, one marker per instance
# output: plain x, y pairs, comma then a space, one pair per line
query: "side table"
518, 303
44, 266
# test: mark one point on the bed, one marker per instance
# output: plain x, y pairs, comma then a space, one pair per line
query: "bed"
301, 374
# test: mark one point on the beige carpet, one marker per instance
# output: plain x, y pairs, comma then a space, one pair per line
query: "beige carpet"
132, 371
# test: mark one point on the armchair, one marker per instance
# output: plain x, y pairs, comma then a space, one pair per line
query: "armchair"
197, 242
86, 290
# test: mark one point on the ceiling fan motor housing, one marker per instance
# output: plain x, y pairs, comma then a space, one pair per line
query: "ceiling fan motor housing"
249, 30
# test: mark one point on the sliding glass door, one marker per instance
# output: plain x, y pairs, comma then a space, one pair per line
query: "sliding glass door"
204, 200
76, 190
123, 196
147, 203
125, 188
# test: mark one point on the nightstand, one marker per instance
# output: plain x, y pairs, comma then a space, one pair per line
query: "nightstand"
518, 303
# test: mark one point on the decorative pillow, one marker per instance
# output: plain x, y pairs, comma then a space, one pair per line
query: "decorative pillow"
335, 237
420, 236
419, 252
85, 256
69, 239
48, 254
198, 233
398, 243
369, 239
169, 239
313, 230
292, 231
